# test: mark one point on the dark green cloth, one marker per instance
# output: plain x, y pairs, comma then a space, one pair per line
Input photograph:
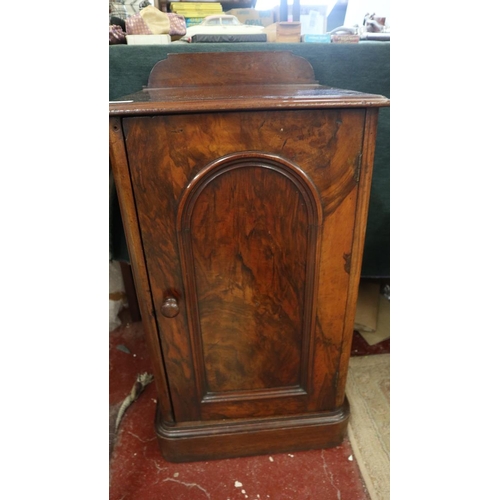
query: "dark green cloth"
364, 66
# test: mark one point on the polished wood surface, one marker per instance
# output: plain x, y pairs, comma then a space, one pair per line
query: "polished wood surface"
230, 68
249, 230
240, 98
249, 293
236, 81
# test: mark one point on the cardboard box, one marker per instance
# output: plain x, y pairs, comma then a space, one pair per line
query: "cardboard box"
270, 31
325, 38
367, 307
193, 21
345, 38
288, 32
196, 9
253, 17
148, 39
313, 19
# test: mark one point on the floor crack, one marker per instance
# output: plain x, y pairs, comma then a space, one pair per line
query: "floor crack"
329, 475
189, 485
158, 470
140, 439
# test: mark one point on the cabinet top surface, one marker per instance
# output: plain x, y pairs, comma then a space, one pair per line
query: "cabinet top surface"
241, 97
198, 82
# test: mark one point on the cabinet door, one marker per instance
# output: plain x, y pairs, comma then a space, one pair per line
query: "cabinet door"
247, 225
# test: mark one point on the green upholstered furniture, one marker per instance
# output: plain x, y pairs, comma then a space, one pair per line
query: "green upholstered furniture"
363, 67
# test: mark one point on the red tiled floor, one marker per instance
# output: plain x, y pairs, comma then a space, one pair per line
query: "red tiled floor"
138, 471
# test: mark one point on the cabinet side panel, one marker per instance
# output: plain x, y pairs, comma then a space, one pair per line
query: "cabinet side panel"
332, 163
334, 279
118, 158
362, 203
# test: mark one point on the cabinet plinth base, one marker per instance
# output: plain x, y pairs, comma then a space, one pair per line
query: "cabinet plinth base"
194, 441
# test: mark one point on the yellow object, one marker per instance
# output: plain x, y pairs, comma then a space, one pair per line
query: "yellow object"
157, 21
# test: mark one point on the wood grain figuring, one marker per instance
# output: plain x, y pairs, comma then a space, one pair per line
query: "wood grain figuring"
161, 174
238, 193
250, 296
156, 191
250, 283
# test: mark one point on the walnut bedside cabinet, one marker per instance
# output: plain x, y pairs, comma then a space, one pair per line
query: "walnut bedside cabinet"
244, 186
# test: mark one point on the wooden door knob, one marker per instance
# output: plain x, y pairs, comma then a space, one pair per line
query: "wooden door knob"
170, 308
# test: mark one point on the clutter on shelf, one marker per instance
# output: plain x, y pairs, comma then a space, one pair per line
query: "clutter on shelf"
140, 22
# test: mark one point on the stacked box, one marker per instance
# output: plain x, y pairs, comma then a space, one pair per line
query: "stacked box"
288, 32
325, 38
253, 17
193, 21
194, 12
313, 19
148, 39
345, 38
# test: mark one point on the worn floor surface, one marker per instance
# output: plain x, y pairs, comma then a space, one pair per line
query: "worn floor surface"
138, 471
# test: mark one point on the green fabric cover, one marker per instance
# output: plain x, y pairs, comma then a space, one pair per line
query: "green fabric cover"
363, 66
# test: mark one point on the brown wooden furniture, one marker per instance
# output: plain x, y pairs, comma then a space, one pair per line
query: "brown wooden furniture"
244, 186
